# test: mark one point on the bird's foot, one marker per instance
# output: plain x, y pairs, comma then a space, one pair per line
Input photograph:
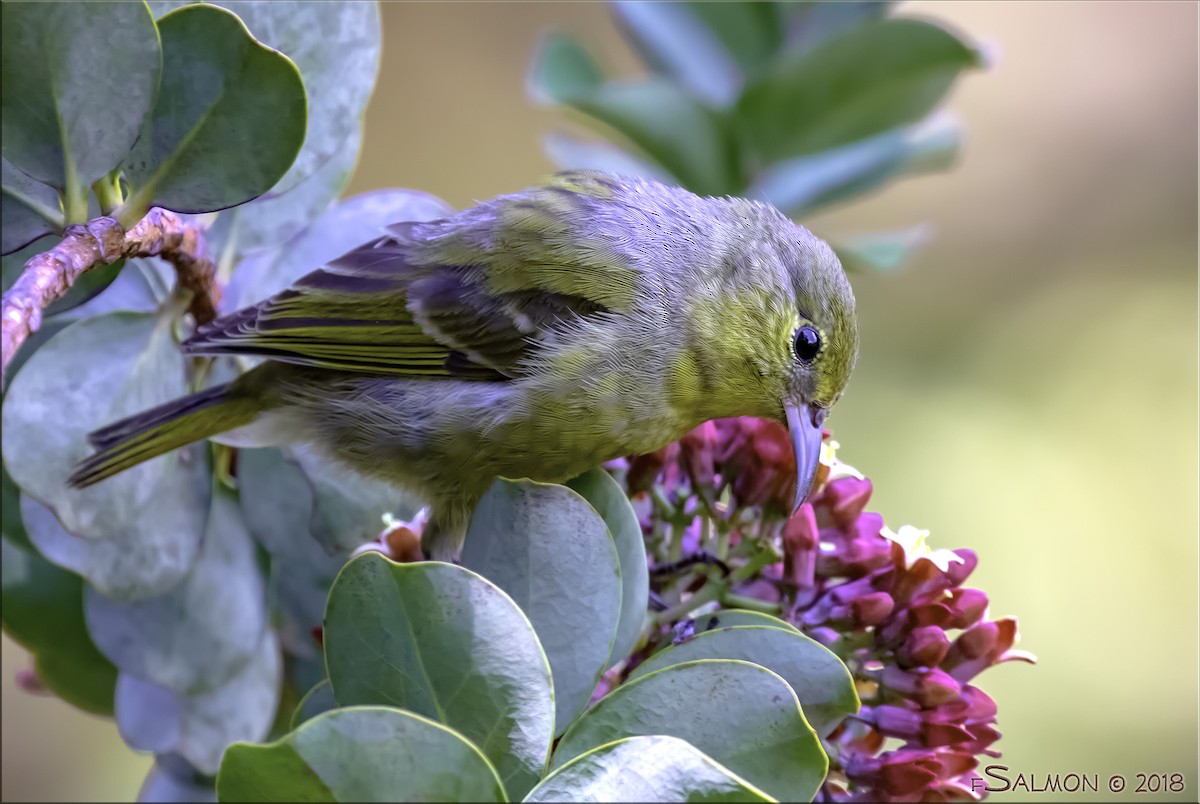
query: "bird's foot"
400, 539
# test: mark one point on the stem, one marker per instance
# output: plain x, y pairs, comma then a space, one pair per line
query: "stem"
735, 601
108, 192
705, 594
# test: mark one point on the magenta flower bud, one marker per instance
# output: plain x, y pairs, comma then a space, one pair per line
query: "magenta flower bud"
929, 688
983, 645
925, 647
871, 609
959, 571
845, 499
697, 452
967, 606
800, 547
909, 724
644, 469
895, 773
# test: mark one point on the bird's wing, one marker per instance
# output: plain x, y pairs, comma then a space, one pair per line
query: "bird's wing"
402, 306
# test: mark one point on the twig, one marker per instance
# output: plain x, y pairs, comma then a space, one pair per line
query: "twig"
48, 276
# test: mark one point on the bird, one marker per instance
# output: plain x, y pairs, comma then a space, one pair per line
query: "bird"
534, 335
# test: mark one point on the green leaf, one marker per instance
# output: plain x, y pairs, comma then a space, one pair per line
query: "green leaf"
25, 208
316, 701
728, 618
606, 496
445, 643
653, 768
13, 527
811, 22
678, 44
859, 83
742, 715
343, 226
751, 31
43, 611
820, 680
271, 220
134, 535
362, 753
880, 251
220, 605
199, 727
277, 502
684, 137
802, 185
78, 79
173, 779
561, 70
551, 552
228, 122
570, 153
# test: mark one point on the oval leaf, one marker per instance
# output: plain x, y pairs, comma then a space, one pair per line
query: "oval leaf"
675, 42
887, 73
203, 631
199, 727
561, 70
551, 552
316, 701
228, 122
26, 205
43, 611
606, 496
78, 79
818, 677
445, 643
172, 780
654, 768
361, 753
740, 714
727, 618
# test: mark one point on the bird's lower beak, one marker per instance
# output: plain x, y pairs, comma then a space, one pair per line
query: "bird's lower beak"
804, 423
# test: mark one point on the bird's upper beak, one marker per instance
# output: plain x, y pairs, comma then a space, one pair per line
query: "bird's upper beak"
804, 423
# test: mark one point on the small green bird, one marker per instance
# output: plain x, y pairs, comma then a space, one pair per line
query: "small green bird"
534, 335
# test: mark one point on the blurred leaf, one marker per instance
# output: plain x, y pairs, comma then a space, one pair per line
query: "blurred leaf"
751, 31
551, 552
271, 220
799, 186
652, 768
336, 48
219, 605
687, 139
742, 715
681, 135
20, 199
818, 677
561, 70
677, 43
344, 226
173, 780
348, 507
277, 502
880, 251
199, 727
363, 753
728, 618
316, 701
569, 153
43, 611
78, 79
443, 642
140, 529
605, 495
811, 22
886, 73
228, 122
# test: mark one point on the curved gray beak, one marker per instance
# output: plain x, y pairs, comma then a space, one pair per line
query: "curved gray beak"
804, 423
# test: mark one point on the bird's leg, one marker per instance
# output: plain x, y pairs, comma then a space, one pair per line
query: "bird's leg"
443, 537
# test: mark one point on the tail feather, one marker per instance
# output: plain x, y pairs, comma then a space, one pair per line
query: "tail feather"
151, 433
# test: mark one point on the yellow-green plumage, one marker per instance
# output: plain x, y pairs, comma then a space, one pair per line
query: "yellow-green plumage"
534, 335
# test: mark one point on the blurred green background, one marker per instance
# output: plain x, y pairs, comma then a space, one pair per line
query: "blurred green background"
1027, 388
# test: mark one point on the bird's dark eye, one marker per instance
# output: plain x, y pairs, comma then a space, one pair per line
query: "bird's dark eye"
807, 343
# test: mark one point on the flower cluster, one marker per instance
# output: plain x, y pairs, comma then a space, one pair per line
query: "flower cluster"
895, 611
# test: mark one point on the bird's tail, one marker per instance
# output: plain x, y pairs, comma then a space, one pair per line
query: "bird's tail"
148, 434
